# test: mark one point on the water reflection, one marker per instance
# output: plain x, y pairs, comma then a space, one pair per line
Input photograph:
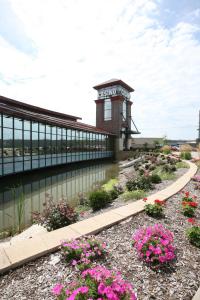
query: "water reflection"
58, 183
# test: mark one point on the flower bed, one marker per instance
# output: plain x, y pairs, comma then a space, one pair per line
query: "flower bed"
179, 281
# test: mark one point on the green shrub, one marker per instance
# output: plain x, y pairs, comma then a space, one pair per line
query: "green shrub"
136, 195
193, 234
186, 155
56, 216
113, 194
188, 211
155, 178
99, 199
140, 183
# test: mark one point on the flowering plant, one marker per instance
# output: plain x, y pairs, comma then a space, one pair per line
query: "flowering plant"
187, 197
96, 283
156, 209
196, 178
189, 205
193, 233
81, 252
154, 244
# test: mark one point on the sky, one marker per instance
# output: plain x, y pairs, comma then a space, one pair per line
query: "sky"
52, 52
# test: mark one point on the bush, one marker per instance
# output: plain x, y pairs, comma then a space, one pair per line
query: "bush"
186, 155
138, 194
193, 235
81, 252
169, 168
188, 210
96, 283
155, 178
154, 210
113, 194
56, 216
99, 199
140, 183
154, 245
166, 149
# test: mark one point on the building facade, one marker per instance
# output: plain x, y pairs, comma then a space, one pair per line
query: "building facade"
33, 138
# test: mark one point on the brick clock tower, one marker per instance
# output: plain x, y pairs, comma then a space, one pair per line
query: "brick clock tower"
113, 111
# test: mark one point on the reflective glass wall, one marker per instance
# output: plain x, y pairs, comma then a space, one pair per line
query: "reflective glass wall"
27, 145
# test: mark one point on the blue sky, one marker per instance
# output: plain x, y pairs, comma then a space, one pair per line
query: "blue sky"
53, 51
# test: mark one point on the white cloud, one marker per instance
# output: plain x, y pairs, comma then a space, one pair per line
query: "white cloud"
82, 43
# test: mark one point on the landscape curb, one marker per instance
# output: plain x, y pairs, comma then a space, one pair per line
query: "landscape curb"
27, 250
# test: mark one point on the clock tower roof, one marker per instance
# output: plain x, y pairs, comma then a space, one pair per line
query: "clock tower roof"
113, 82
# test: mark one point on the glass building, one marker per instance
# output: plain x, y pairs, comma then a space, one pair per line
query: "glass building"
33, 138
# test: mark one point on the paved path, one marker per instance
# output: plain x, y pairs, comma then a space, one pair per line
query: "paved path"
23, 251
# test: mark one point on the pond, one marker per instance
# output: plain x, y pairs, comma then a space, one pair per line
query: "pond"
62, 182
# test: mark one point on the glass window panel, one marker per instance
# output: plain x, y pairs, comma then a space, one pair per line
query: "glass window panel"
42, 162
35, 143
42, 143
27, 125
27, 143
18, 123
35, 164
18, 144
7, 142
8, 168
124, 109
41, 127
59, 131
27, 165
7, 121
107, 109
18, 166
48, 143
64, 132
48, 129
53, 130
69, 132
34, 126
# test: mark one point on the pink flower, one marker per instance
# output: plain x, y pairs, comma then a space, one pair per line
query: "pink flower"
57, 289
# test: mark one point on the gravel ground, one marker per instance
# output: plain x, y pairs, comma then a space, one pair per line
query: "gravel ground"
34, 280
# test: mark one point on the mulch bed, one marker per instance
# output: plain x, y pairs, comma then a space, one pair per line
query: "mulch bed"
180, 281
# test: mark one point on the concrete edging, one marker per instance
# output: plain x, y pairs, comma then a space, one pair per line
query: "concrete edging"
27, 250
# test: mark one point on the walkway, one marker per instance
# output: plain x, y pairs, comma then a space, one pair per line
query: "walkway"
27, 250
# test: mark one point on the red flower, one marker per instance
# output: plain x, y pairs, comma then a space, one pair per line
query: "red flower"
145, 199
191, 220
159, 202
187, 194
193, 204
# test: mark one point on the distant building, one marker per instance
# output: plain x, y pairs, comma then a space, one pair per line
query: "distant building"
146, 142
